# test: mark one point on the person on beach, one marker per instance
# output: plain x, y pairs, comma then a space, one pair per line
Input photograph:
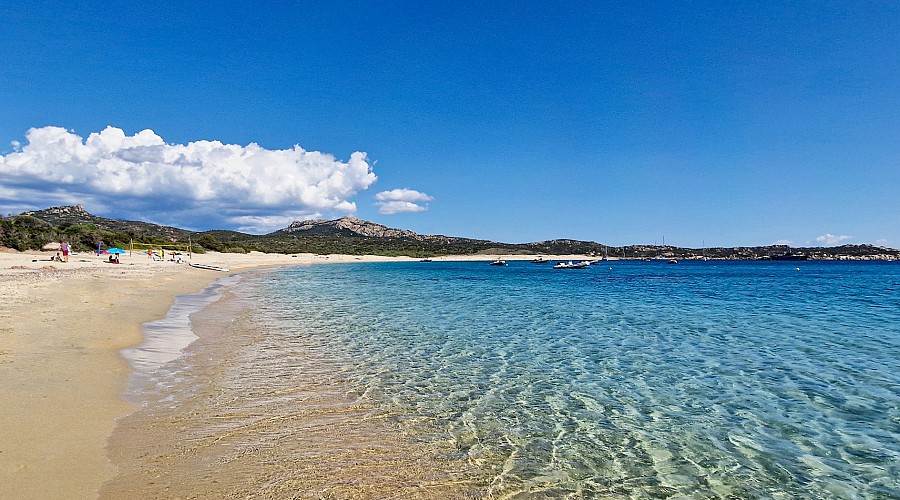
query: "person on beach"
64, 246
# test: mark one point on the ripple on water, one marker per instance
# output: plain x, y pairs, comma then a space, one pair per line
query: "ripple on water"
732, 380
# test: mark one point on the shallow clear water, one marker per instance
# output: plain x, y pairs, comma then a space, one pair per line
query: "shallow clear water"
707, 379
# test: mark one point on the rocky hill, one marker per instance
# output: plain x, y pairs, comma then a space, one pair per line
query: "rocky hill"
347, 226
351, 226
76, 215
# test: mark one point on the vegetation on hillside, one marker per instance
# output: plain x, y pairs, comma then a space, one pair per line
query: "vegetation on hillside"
32, 230
25, 232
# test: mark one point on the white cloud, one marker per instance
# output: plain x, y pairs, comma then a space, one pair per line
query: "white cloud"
399, 207
398, 201
202, 184
830, 239
784, 242
402, 195
881, 242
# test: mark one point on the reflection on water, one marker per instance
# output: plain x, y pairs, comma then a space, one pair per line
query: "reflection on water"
706, 380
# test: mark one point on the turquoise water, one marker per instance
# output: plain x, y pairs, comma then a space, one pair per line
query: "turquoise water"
705, 379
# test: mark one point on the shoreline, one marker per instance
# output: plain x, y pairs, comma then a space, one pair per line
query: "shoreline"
63, 375
167, 338
65, 378
215, 416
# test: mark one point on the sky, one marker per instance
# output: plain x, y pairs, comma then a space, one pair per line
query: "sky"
694, 123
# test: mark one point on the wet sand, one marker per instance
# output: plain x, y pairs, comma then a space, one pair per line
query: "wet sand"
208, 432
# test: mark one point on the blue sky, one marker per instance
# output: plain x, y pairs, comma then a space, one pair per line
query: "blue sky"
724, 123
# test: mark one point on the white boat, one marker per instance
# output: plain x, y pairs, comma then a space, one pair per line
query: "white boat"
498, 262
209, 267
571, 265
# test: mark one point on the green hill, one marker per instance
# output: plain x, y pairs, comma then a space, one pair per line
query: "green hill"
348, 235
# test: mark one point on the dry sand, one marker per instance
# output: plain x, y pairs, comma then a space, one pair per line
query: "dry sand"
62, 326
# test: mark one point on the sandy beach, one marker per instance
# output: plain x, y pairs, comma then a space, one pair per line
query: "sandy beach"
62, 326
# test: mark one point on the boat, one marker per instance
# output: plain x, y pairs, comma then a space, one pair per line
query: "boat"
425, 260
498, 262
673, 261
209, 267
540, 260
571, 265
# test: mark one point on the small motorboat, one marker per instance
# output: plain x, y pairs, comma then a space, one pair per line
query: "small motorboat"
571, 265
425, 260
540, 260
498, 262
673, 261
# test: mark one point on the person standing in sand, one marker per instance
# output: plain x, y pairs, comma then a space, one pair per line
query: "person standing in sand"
64, 246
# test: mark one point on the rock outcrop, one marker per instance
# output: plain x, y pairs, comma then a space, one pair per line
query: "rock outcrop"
350, 225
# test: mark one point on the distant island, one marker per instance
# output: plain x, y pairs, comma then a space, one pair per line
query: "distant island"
35, 229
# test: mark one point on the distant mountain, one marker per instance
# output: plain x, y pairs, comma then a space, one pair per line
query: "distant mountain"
346, 226
349, 235
351, 226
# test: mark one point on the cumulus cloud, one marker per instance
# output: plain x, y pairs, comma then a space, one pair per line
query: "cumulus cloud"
830, 239
783, 242
398, 201
202, 184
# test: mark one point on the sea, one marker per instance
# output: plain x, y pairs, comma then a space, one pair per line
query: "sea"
628, 379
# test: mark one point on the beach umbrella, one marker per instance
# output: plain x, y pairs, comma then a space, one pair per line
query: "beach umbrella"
116, 250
